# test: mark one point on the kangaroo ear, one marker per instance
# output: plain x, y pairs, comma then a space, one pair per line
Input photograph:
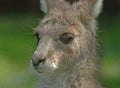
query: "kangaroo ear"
92, 7
96, 8
43, 6
46, 5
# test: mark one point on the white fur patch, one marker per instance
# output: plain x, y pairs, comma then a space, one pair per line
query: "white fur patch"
43, 6
97, 8
54, 65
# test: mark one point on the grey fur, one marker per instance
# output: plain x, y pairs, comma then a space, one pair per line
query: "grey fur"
71, 65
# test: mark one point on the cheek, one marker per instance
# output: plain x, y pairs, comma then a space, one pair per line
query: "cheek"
72, 52
56, 58
73, 48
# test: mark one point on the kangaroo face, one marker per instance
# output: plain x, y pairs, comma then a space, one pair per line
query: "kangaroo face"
57, 48
66, 35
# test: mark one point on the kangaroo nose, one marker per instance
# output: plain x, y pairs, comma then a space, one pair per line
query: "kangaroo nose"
37, 62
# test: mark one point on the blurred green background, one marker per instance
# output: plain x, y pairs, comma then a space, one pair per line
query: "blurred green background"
17, 20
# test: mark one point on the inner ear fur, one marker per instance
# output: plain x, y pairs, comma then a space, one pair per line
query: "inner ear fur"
72, 1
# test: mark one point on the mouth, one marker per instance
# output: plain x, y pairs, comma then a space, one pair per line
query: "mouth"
36, 64
44, 66
39, 71
40, 68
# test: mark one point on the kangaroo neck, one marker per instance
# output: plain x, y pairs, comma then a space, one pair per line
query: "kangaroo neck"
69, 79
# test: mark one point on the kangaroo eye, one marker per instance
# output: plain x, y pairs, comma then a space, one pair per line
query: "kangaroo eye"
37, 36
67, 38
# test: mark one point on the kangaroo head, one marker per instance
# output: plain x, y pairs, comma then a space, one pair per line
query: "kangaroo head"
64, 35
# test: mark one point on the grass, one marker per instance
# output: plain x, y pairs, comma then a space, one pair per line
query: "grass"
110, 61
17, 45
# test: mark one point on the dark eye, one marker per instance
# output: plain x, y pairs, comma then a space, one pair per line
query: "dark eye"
37, 36
67, 38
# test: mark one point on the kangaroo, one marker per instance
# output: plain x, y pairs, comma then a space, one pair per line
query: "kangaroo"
65, 56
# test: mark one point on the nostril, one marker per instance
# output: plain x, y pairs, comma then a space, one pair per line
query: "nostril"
38, 62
